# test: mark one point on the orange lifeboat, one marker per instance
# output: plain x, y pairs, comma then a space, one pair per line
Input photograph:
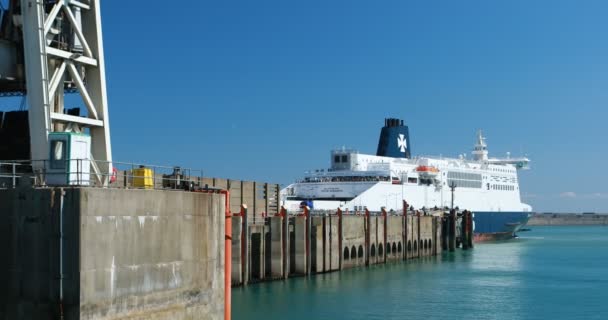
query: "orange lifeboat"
427, 171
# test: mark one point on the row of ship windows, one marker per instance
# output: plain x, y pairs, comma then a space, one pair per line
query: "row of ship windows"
501, 187
464, 176
503, 170
464, 183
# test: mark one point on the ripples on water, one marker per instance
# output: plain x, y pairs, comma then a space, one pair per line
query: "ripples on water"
548, 273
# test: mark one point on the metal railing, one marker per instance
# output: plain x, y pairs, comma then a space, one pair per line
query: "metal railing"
85, 172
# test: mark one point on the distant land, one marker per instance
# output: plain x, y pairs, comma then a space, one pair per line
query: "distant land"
568, 219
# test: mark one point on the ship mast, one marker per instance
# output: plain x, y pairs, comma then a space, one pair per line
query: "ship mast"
480, 151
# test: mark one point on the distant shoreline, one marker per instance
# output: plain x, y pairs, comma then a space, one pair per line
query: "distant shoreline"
568, 219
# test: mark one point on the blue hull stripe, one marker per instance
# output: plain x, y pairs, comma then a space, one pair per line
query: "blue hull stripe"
493, 222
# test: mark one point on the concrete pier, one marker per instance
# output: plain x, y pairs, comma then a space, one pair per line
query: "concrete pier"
341, 241
89, 253
92, 253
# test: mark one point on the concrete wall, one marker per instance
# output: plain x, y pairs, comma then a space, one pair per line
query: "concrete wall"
412, 237
426, 235
395, 237
300, 245
143, 251
137, 254
276, 248
333, 240
568, 219
250, 193
237, 264
353, 241
256, 253
325, 249
29, 263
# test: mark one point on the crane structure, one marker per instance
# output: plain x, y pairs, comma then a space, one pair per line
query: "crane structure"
50, 48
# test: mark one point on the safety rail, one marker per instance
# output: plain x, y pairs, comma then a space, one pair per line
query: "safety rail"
424, 212
80, 172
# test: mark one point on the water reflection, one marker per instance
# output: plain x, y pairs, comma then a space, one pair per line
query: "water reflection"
543, 277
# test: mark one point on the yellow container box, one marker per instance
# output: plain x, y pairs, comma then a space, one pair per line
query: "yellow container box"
142, 178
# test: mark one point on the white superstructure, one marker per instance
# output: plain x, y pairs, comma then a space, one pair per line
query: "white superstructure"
355, 181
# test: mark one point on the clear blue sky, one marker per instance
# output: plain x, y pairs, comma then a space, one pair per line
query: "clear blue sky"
264, 89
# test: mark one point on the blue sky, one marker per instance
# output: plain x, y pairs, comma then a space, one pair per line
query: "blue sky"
264, 89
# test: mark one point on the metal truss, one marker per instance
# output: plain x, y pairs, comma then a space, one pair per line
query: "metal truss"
51, 61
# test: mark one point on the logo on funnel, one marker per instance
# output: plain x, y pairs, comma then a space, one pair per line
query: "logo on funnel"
401, 143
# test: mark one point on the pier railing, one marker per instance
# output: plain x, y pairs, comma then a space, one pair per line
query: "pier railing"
83, 172
261, 197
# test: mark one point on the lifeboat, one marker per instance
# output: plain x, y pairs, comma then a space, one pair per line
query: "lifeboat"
427, 171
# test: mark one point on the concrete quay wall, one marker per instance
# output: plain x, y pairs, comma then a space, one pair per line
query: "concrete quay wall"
117, 253
336, 242
568, 220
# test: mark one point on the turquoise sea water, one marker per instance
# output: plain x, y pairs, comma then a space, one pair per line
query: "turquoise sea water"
548, 273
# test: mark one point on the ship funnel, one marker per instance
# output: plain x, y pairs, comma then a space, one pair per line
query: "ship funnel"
394, 139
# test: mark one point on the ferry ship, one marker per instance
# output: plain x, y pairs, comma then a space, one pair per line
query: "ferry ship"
488, 187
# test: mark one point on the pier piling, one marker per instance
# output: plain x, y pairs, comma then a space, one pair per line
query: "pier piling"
285, 242
308, 220
452, 230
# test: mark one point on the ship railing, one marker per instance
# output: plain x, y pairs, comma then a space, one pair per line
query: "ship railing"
84, 172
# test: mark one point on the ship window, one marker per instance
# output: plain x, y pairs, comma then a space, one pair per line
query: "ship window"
337, 159
344, 158
412, 180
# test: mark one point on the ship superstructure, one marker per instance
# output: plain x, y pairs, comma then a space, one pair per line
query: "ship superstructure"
487, 186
